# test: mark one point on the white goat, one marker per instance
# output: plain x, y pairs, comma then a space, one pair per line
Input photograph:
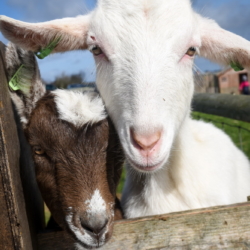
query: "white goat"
144, 53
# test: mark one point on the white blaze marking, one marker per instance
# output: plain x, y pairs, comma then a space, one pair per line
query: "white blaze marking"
96, 205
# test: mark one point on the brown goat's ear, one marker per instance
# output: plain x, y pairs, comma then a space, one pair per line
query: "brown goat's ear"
71, 33
223, 46
25, 84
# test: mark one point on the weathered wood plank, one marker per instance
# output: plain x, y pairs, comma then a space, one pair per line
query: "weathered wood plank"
12, 194
224, 227
16, 233
231, 106
6, 239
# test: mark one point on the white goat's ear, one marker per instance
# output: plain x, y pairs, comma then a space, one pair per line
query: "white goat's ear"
22, 69
223, 46
36, 36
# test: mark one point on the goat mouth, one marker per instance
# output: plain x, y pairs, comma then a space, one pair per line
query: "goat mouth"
88, 242
81, 246
146, 168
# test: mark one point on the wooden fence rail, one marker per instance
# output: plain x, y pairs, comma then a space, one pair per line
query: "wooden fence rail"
21, 207
225, 227
236, 107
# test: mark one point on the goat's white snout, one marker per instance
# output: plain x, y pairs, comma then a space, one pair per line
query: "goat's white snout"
146, 147
147, 143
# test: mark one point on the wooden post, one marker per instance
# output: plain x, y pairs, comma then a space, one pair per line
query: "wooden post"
231, 106
18, 229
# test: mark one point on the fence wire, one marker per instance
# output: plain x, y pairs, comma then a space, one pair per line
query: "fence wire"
222, 125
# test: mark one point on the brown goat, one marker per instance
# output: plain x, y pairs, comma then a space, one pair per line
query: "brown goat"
77, 154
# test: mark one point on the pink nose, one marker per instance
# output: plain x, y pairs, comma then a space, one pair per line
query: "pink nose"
146, 143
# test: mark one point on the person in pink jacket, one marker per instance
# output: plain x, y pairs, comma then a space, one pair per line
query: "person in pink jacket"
244, 86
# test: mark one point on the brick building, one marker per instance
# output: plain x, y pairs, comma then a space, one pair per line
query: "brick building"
229, 80
206, 83
224, 82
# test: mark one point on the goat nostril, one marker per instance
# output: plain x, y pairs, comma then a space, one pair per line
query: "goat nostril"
87, 228
96, 228
145, 142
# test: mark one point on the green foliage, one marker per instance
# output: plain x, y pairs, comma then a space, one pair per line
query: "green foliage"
63, 80
122, 180
47, 214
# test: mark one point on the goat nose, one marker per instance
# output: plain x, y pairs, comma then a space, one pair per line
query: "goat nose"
146, 142
95, 228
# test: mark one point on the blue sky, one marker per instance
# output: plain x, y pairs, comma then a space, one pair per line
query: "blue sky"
233, 15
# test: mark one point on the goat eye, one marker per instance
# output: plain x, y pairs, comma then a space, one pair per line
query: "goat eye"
96, 50
38, 150
191, 51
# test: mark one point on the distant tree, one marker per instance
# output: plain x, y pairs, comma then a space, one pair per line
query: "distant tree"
63, 80
77, 78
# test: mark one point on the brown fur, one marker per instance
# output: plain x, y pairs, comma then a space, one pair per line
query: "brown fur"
76, 162
77, 167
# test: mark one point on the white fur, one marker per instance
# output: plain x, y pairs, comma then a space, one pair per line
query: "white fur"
70, 38
79, 108
146, 82
201, 172
96, 205
78, 246
147, 85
